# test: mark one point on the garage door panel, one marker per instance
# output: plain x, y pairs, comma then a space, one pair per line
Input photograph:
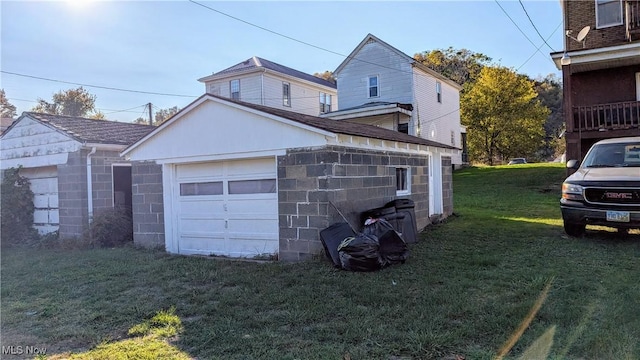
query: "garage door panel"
44, 185
242, 246
240, 221
201, 244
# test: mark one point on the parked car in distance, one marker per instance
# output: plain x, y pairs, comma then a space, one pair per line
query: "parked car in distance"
605, 189
516, 161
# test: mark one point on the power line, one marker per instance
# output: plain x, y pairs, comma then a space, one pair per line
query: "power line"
534, 26
522, 32
96, 86
112, 111
538, 49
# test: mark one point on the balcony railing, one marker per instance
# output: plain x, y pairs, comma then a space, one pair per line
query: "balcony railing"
602, 117
632, 14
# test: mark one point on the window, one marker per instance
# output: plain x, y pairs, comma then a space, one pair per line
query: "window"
286, 94
403, 181
201, 188
453, 138
638, 86
608, 13
403, 128
373, 86
325, 103
234, 88
263, 186
439, 91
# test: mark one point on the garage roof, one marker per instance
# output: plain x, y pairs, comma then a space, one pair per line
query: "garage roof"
93, 130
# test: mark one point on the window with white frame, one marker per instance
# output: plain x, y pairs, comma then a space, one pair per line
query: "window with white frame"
453, 138
608, 13
403, 181
234, 89
286, 94
439, 91
374, 90
325, 103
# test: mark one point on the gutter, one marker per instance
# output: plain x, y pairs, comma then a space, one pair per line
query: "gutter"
90, 186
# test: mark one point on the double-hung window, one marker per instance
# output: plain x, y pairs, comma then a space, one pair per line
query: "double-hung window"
234, 89
439, 91
374, 88
325, 103
608, 13
286, 94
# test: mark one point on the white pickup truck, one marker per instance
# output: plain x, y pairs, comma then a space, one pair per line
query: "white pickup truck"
605, 189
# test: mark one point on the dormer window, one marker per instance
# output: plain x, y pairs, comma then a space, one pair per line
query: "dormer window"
373, 86
608, 13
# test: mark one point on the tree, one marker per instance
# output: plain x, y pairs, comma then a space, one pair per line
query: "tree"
7, 110
503, 116
72, 102
461, 66
327, 75
549, 91
161, 116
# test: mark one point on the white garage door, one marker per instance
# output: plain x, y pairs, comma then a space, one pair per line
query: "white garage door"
44, 184
227, 208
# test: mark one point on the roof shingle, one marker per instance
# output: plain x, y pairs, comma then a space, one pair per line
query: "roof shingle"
93, 130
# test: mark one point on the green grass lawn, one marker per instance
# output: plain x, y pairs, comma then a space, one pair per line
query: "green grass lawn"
466, 288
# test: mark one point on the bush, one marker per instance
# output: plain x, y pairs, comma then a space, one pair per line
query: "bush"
16, 209
111, 227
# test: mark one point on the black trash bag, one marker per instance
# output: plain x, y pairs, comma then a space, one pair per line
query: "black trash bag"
377, 227
360, 253
392, 248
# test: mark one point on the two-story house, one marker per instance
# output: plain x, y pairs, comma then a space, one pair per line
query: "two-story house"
380, 85
601, 71
263, 82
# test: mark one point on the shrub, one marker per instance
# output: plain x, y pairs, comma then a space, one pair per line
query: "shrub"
16, 209
111, 227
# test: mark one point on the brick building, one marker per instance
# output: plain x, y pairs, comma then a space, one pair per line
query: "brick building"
601, 71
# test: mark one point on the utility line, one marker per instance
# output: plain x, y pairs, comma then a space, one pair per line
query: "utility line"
534, 26
529, 58
96, 86
522, 32
112, 111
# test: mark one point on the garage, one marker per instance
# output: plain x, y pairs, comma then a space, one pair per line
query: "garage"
44, 185
227, 208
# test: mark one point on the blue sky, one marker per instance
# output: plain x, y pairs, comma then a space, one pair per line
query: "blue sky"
165, 46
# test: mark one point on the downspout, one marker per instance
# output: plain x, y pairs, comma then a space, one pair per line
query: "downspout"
90, 186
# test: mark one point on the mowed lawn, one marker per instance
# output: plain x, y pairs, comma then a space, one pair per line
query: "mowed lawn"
468, 285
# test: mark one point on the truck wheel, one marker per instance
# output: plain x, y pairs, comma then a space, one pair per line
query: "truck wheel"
573, 229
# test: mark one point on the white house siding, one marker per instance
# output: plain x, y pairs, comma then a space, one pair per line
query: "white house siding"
394, 76
250, 87
436, 120
305, 97
31, 144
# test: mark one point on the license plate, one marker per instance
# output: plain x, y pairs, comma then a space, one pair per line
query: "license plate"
618, 216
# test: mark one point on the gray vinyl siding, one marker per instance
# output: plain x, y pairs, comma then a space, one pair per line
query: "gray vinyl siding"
395, 78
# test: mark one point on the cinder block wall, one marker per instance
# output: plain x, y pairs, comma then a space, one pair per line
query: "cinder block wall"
148, 204
354, 180
72, 195
102, 179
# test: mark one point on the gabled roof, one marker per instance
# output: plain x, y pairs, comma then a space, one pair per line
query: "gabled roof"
328, 125
257, 63
92, 130
409, 59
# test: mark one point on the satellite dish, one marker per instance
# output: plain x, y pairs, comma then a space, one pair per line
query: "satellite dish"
583, 33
